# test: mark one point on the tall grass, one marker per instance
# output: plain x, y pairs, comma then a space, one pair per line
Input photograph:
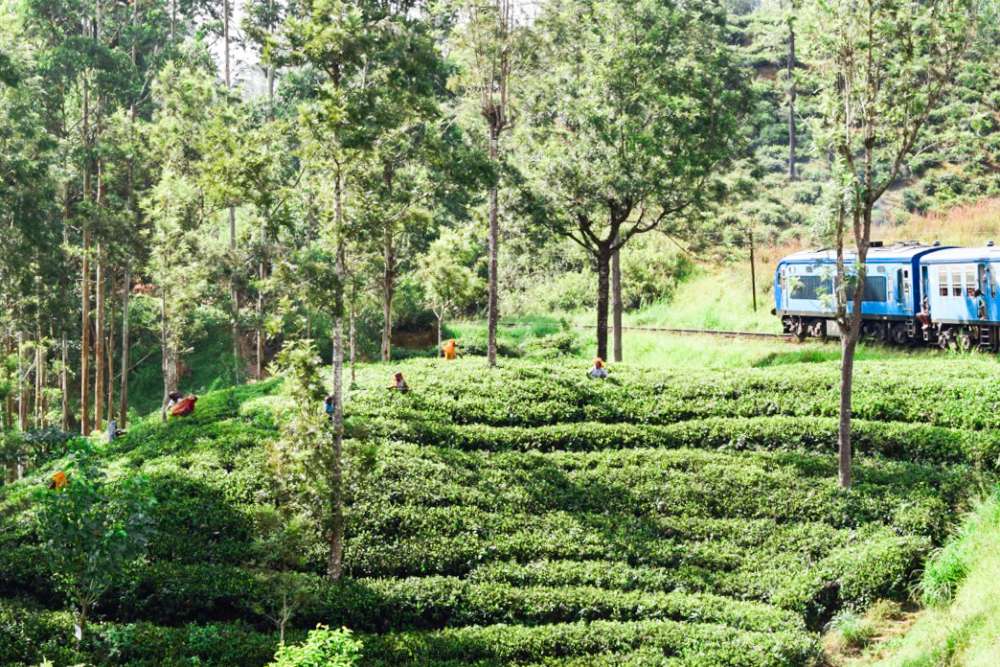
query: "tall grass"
970, 225
962, 584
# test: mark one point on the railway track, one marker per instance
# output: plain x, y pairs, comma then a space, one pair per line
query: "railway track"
711, 332
691, 332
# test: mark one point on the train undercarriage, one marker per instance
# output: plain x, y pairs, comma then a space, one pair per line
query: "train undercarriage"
907, 333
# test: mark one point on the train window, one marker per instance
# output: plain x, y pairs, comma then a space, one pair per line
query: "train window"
971, 282
956, 282
874, 289
942, 276
809, 288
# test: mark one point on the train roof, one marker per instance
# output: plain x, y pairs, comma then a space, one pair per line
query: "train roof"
893, 253
987, 253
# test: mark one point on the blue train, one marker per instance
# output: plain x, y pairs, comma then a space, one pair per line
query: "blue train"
913, 295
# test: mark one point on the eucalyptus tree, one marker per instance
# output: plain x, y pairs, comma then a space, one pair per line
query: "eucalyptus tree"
377, 60
636, 107
884, 66
491, 49
187, 101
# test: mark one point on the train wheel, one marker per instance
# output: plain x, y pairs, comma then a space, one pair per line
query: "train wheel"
964, 341
799, 330
818, 330
898, 334
944, 340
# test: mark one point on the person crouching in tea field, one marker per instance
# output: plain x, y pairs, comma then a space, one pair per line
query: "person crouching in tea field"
399, 384
598, 372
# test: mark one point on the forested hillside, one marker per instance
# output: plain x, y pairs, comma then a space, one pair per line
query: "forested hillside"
168, 165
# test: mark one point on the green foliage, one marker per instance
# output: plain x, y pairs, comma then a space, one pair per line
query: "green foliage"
92, 533
525, 517
322, 648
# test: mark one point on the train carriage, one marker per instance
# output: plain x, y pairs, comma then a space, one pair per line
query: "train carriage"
891, 300
963, 297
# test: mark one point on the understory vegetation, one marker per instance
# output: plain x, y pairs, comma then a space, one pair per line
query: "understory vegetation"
528, 516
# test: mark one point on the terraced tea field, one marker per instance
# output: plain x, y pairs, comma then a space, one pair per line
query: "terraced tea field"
528, 516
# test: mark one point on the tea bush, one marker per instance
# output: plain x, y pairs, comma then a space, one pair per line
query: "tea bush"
529, 516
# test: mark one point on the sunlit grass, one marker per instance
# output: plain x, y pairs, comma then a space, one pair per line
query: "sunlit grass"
970, 225
719, 300
965, 631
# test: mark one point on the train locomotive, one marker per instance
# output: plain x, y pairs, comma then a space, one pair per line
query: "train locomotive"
913, 295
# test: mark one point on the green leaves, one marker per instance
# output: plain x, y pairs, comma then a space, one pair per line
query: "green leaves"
93, 532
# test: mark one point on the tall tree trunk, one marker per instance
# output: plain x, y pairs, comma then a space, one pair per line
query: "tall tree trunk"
9, 400
603, 287
260, 333
336, 511
99, 351
85, 278
64, 381
22, 390
85, 334
792, 139
233, 287
440, 319
494, 242
617, 307
110, 348
168, 349
353, 337
126, 349
388, 290
753, 271
41, 361
848, 343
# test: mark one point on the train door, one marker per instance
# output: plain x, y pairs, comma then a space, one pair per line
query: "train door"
986, 289
904, 289
925, 288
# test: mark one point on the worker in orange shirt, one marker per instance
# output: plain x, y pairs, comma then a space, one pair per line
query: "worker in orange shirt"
59, 480
450, 349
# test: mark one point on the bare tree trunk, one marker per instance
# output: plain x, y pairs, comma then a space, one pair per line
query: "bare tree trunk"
603, 280
85, 333
110, 347
440, 319
64, 382
169, 354
99, 352
617, 307
233, 287
792, 139
388, 290
753, 272
85, 279
126, 350
494, 242
261, 275
22, 399
848, 343
353, 337
40, 358
336, 510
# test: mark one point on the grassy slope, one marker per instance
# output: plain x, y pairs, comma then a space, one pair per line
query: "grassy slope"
965, 630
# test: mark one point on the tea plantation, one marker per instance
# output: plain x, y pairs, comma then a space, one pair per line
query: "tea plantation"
528, 516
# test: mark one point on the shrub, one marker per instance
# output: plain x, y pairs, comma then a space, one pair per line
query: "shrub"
322, 648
